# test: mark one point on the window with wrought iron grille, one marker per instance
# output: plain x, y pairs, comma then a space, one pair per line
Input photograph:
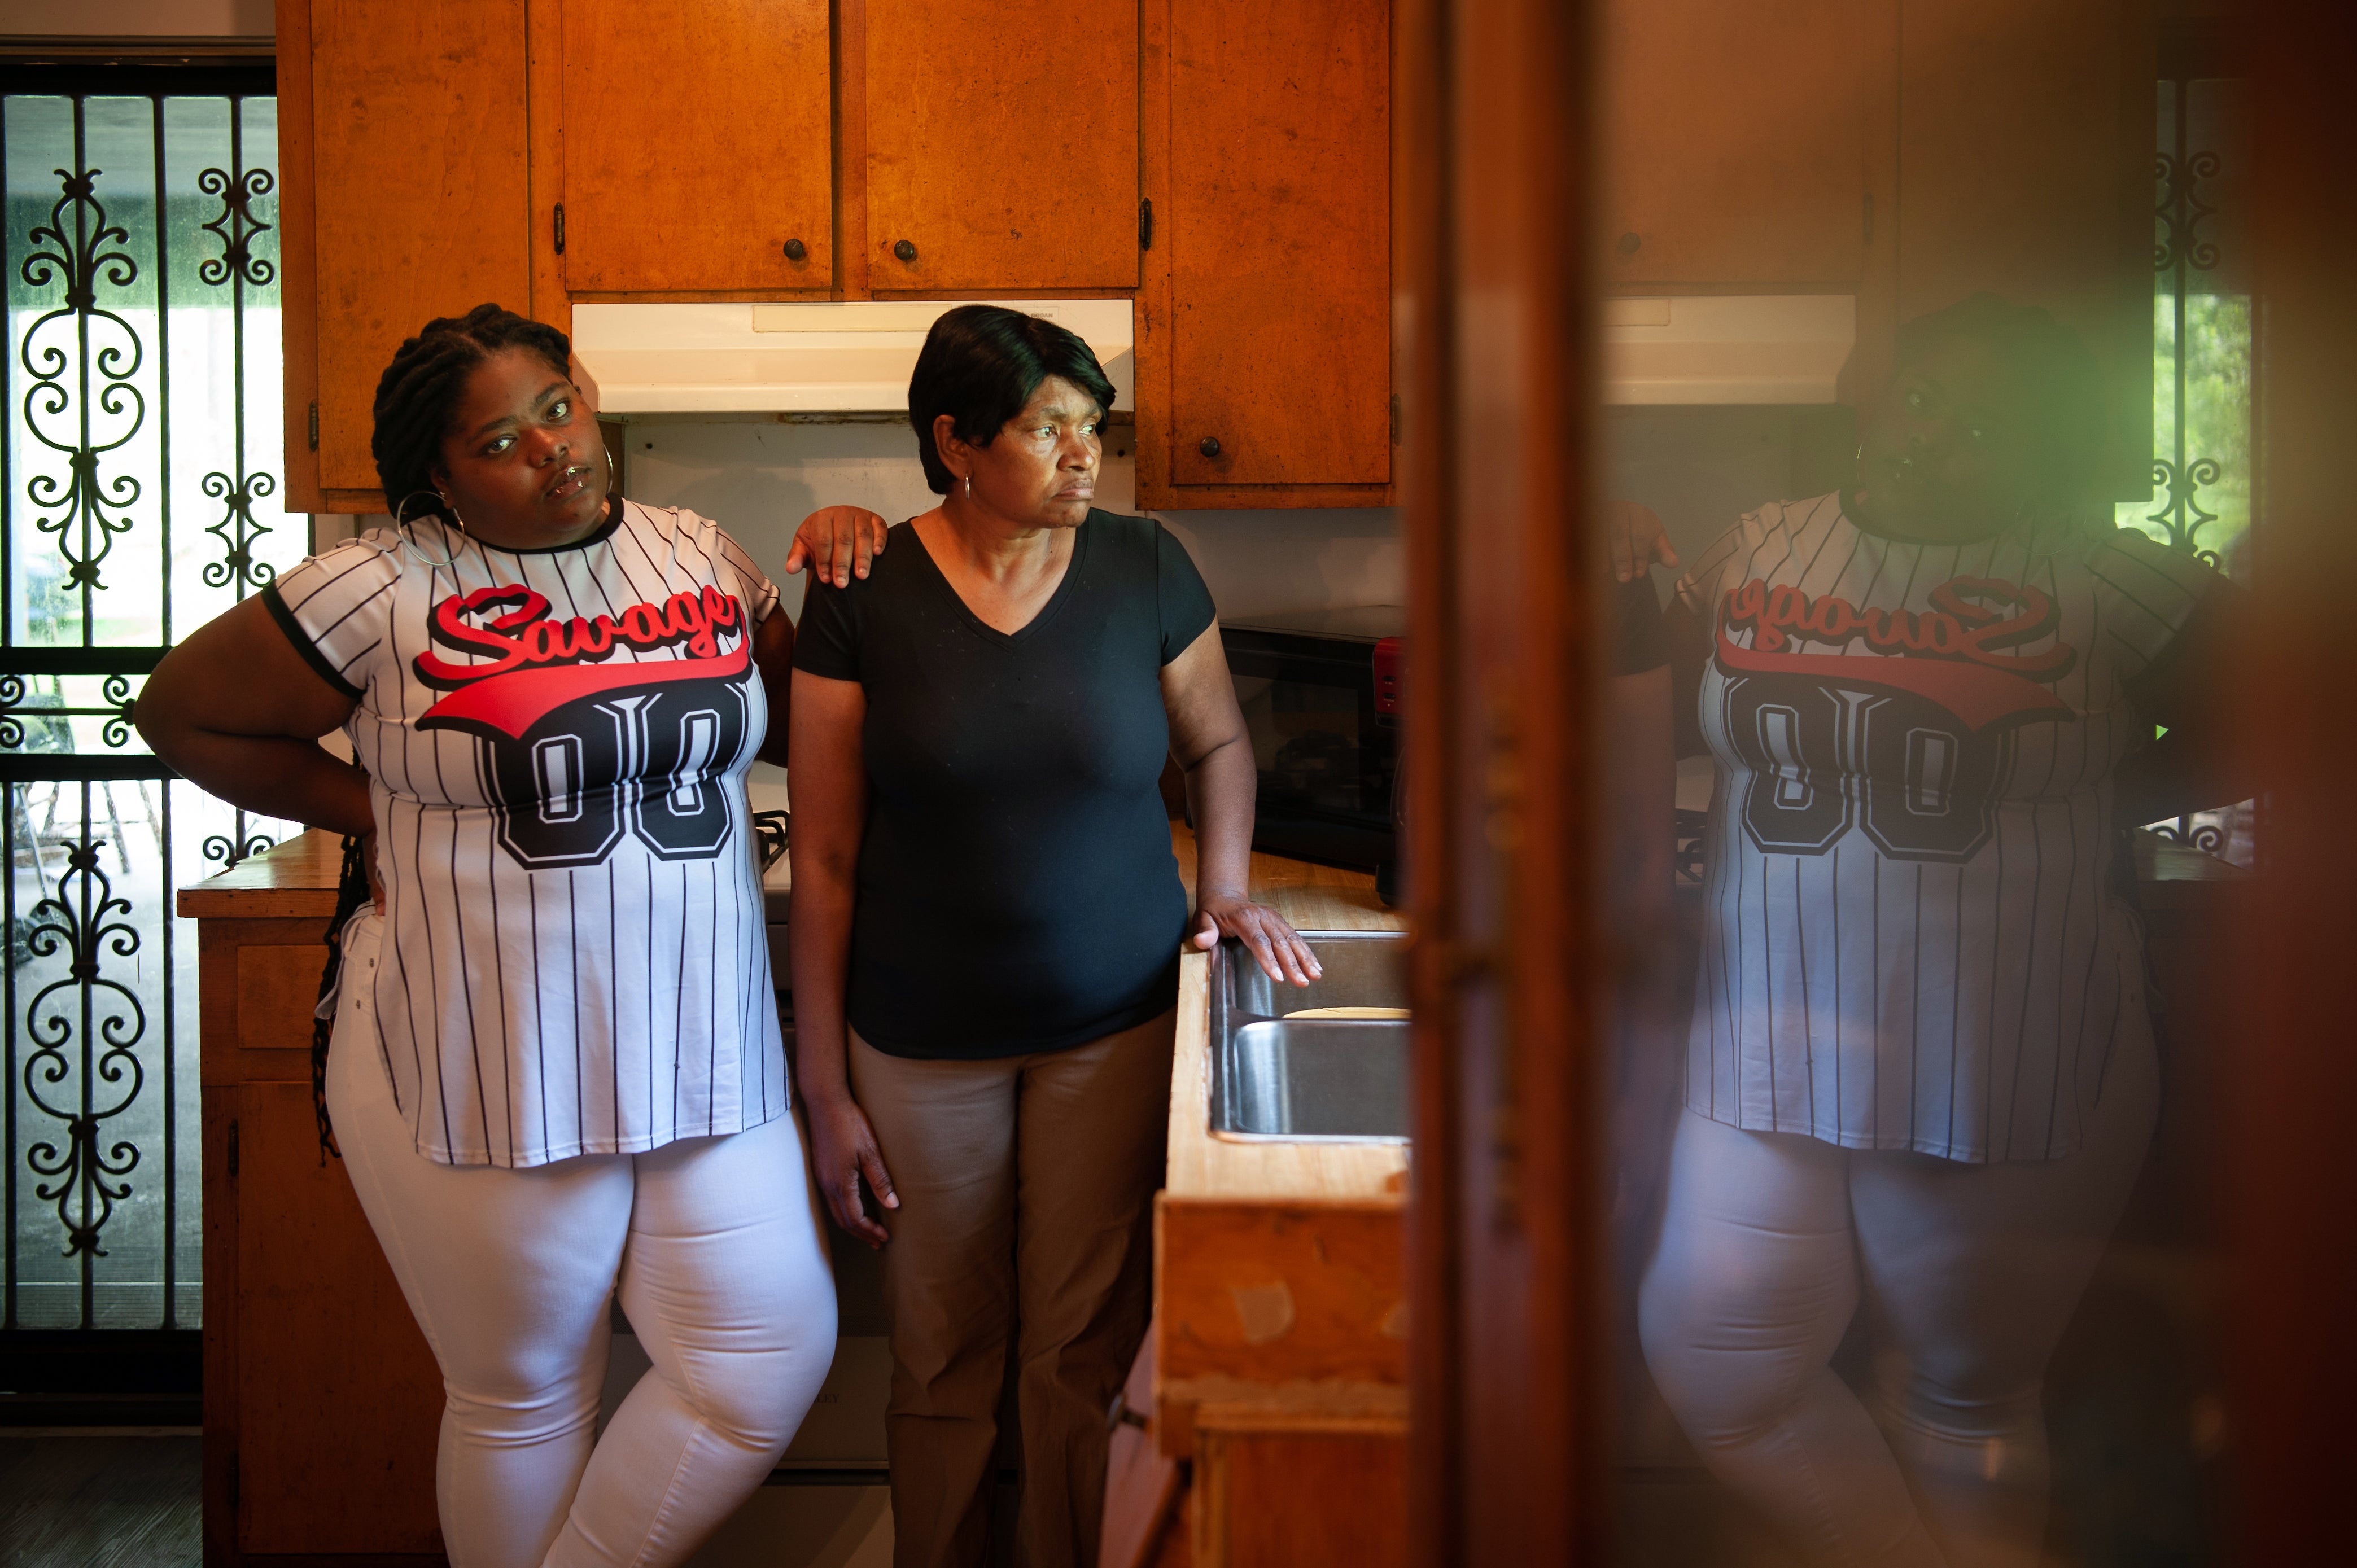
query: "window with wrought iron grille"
2202, 345
137, 483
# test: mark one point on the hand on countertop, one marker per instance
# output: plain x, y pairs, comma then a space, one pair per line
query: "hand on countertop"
1283, 955
836, 542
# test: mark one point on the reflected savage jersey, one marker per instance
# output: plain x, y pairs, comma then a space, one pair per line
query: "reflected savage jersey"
1909, 941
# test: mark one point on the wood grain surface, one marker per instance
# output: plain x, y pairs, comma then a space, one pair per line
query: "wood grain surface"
1278, 227
313, 1288
1734, 141
421, 201
1002, 144
700, 183
297, 878
1295, 1499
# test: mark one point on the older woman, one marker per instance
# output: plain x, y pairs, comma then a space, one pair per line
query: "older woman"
556, 1071
987, 921
1920, 1073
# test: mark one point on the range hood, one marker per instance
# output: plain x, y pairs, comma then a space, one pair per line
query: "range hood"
854, 357
848, 357
1726, 349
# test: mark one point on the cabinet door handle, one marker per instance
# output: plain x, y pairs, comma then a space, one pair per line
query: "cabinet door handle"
1146, 225
560, 228
796, 249
1209, 447
315, 428
232, 1151
904, 250
1627, 243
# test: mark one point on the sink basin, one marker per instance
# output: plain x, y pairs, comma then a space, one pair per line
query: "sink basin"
1289, 1079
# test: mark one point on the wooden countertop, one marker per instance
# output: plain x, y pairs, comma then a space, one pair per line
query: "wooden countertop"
297, 880
1202, 1164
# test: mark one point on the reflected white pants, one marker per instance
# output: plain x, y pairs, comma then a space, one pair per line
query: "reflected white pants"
1969, 1274
714, 1246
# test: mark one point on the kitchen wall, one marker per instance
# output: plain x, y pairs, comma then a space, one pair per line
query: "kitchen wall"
758, 479
139, 18
1701, 467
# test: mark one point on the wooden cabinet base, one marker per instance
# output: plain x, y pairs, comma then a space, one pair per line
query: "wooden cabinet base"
1290, 1499
322, 1400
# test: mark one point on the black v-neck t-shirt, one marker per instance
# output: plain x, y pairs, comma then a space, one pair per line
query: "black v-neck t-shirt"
1016, 889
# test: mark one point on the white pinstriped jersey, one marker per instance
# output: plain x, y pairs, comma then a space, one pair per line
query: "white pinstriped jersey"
575, 958
1909, 937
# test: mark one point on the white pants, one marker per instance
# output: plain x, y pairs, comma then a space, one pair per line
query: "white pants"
1969, 1273
716, 1248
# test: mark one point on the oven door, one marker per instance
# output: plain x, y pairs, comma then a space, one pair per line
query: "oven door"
1325, 758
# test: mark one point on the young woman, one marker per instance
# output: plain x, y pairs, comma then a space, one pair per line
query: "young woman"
556, 1071
1919, 1074
987, 922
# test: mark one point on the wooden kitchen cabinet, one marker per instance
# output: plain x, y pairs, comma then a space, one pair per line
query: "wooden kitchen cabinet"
2026, 146
1263, 329
998, 145
696, 148
1743, 144
403, 195
322, 1400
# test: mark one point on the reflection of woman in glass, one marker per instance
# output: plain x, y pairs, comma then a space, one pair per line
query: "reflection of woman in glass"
1919, 1074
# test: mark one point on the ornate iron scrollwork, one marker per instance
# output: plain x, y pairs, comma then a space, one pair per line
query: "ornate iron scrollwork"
85, 1176
2181, 211
2207, 837
2183, 515
227, 850
98, 386
83, 246
237, 531
236, 226
237, 266
117, 707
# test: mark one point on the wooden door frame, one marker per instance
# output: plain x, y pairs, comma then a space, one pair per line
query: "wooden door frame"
1491, 203
2292, 1368
1492, 154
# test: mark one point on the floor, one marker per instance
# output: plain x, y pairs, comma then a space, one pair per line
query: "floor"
78, 1500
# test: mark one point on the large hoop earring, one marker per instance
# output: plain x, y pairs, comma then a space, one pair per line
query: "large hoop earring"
403, 527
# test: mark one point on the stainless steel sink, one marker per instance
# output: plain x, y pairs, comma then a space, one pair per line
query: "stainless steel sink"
1296, 1079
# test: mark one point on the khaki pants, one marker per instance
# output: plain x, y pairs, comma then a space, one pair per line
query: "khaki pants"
1027, 1189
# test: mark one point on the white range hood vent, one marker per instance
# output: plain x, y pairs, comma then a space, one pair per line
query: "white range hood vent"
1726, 349
826, 357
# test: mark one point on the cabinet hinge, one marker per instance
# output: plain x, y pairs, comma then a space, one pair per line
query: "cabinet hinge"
315, 428
1395, 419
1146, 225
560, 228
233, 1150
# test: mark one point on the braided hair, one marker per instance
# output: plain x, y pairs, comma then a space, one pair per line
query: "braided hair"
419, 392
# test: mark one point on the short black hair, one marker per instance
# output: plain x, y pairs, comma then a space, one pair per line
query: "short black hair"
980, 365
418, 394
2054, 377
